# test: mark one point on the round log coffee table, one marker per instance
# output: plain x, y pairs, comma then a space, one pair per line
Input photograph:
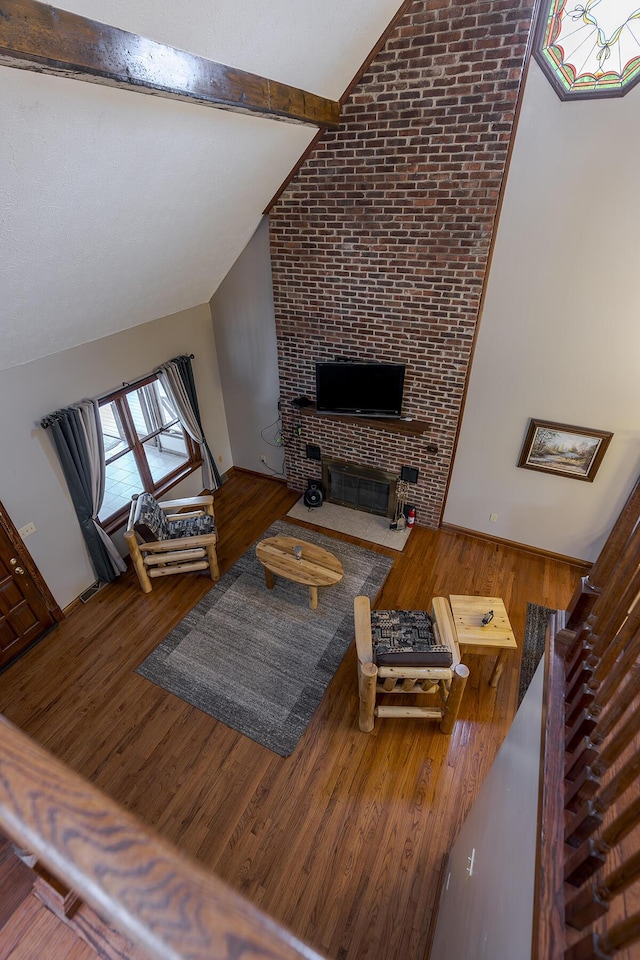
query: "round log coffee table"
299, 561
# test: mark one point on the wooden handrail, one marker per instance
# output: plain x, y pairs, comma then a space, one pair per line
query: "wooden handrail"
624, 526
164, 902
548, 922
591, 585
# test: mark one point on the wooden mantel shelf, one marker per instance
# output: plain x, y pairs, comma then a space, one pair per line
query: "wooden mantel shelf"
411, 428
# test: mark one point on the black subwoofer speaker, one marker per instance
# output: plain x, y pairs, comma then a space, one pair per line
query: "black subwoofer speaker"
313, 495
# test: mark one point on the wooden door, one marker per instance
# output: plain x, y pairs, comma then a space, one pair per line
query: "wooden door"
24, 614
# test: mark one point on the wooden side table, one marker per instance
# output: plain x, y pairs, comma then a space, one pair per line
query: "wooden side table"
494, 638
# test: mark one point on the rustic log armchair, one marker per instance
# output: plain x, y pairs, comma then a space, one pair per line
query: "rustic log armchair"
404, 652
162, 541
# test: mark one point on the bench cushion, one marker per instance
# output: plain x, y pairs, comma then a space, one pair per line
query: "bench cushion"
406, 638
149, 521
191, 527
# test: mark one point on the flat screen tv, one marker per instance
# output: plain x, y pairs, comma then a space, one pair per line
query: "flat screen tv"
359, 388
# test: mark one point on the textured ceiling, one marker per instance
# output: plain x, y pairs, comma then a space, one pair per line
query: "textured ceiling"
118, 208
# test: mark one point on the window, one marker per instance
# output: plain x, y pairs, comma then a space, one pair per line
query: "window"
591, 48
145, 447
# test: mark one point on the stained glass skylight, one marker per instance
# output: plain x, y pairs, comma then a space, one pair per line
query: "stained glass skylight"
589, 49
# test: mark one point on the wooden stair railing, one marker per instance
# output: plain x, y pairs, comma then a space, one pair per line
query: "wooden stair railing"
589, 827
606, 565
145, 888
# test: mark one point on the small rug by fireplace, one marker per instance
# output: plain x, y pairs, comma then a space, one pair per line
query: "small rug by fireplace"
357, 523
535, 630
260, 660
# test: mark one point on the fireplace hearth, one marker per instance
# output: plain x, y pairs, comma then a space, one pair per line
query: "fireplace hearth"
359, 487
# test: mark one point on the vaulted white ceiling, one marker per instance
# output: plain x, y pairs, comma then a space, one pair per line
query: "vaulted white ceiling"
117, 208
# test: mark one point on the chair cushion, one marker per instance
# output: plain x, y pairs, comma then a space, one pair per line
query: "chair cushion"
149, 521
191, 527
406, 638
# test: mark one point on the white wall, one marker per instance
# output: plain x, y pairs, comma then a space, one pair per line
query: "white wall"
560, 336
244, 326
32, 487
138, 205
488, 914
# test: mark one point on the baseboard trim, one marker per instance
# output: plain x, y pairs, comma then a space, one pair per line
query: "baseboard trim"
433, 919
538, 551
70, 607
256, 473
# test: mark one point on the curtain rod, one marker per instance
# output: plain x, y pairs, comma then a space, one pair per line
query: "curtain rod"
133, 383
48, 420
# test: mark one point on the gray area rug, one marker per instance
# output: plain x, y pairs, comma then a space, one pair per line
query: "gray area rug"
260, 660
535, 629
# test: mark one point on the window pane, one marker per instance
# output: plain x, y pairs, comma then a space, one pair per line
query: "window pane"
168, 410
151, 409
113, 434
139, 413
166, 452
122, 481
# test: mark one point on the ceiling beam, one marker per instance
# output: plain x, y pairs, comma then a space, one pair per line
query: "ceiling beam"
39, 37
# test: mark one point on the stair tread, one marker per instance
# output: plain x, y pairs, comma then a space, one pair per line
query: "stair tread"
34, 933
16, 882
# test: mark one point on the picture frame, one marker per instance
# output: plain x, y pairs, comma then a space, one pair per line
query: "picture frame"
563, 449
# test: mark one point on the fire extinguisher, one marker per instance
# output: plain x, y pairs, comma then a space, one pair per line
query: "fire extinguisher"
411, 516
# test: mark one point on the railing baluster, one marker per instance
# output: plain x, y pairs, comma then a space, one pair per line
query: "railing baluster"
584, 754
625, 645
594, 727
590, 856
585, 822
578, 657
588, 817
630, 638
620, 563
584, 723
615, 746
579, 608
592, 902
606, 564
600, 646
589, 725
603, 946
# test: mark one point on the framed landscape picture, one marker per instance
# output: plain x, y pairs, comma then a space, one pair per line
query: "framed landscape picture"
564, 450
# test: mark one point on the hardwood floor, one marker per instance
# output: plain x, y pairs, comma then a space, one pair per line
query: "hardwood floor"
343, 841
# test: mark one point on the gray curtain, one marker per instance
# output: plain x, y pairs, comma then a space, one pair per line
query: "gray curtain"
177, 378
77, 436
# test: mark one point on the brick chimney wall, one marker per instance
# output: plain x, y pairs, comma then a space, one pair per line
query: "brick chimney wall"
380, 244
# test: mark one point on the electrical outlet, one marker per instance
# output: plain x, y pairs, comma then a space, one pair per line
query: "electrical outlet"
27, 530
263, 459
493, 517
471, 861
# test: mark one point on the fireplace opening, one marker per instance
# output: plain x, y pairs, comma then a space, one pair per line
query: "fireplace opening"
362, 488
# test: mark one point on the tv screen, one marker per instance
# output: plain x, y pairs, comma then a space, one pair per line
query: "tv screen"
360, 389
